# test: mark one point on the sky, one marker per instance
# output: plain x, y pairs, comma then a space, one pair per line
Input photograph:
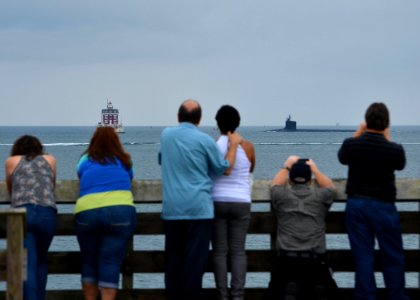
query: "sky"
321, 61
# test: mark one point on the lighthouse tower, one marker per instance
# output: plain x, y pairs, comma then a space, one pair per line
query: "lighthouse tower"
110, 115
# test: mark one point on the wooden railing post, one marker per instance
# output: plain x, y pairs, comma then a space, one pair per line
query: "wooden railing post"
16, 254
273, 235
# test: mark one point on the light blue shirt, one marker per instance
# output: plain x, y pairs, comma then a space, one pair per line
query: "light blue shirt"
188, 158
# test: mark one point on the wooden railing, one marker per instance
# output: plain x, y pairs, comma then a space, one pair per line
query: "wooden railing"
13, 259
262, 223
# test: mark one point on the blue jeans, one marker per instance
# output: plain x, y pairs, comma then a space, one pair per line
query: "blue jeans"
187, 245
365, 220
41, 223
229, 235
103, 235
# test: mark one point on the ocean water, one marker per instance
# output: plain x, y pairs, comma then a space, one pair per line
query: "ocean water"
272, 148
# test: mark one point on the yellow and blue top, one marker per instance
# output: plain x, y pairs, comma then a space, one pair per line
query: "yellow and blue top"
103, 184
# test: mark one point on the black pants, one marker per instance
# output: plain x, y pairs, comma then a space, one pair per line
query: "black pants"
301, 278
187, 245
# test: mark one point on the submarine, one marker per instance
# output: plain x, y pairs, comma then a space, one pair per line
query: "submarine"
291, 126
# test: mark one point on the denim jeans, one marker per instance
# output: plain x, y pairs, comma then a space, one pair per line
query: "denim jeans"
366, 219
187, 245
103, 235
229, 235
41, 223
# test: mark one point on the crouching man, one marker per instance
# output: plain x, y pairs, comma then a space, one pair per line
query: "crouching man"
300, 271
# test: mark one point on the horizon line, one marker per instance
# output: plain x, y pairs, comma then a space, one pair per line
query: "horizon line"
201, 125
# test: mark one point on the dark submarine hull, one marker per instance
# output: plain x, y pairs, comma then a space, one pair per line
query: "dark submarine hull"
311, 130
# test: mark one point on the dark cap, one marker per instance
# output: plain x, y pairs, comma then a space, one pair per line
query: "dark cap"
300, 172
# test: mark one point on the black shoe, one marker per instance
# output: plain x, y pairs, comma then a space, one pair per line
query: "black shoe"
291, 291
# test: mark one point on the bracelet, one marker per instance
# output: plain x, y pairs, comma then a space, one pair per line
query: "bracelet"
287, 168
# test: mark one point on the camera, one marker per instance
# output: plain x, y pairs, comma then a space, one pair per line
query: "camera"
302, 160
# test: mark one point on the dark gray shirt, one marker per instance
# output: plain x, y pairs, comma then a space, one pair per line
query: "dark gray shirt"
301, 210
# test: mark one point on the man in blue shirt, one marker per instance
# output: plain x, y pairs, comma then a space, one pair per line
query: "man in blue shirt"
189, 158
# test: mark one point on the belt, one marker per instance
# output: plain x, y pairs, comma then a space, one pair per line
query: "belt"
363, 197
301, 254
370, 198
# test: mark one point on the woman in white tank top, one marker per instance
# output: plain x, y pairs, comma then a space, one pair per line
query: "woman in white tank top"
232, 201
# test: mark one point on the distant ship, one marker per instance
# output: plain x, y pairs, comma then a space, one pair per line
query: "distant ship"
291, 126
110, 118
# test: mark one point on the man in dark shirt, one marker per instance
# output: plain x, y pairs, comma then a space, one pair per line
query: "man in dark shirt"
372, 160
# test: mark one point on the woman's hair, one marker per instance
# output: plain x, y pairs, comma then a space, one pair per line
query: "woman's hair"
228, 119
105, 146
377, 116
28, 146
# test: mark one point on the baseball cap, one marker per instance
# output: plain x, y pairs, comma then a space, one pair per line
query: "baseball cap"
300, 172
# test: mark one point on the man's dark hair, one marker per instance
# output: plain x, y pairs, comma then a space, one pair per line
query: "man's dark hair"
191, 116
228, 119
377, 116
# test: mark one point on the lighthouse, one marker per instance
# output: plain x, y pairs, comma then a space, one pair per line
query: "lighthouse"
110, 115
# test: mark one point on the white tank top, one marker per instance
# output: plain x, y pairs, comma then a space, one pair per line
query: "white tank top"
236, 186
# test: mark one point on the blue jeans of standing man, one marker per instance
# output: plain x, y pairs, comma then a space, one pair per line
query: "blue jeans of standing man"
41, 223
187, 245
229, 235
367, 218
103, 235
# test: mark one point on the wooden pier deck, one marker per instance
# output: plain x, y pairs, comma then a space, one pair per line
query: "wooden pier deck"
152, 261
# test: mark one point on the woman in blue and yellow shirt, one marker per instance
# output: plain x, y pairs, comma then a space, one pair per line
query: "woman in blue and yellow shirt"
105, 214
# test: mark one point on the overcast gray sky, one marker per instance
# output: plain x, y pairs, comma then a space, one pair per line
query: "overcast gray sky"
322, 61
